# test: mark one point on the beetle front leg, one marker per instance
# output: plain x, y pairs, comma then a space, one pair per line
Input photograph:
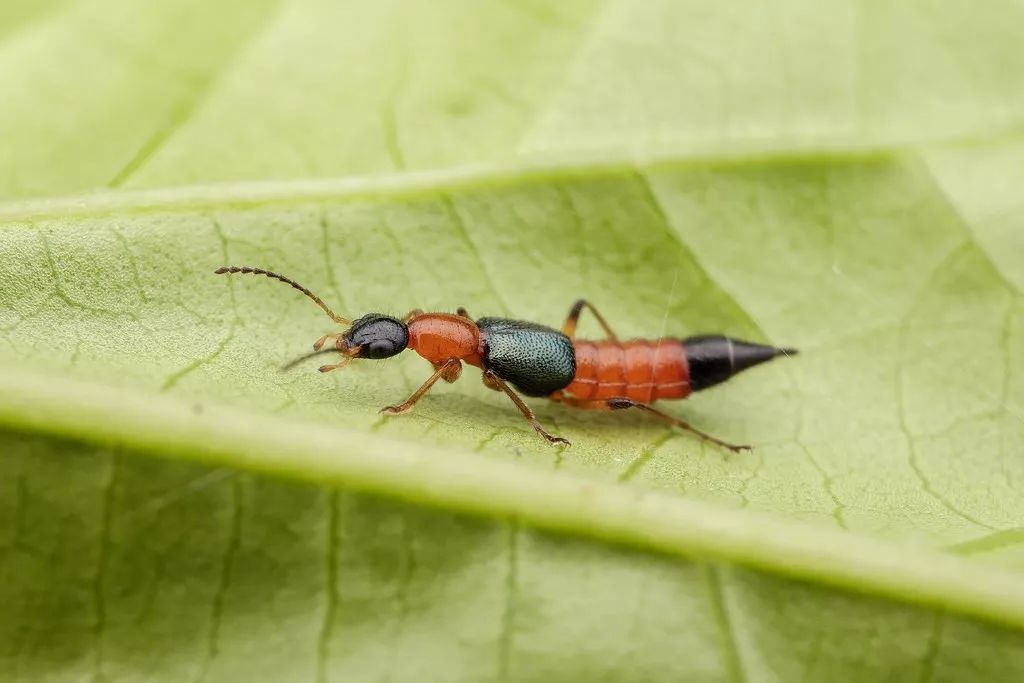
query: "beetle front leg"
445, 368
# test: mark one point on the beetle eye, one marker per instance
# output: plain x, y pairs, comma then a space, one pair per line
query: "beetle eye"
381, 349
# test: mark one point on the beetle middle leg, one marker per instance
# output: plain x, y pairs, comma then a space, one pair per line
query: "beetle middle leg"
569, 327
623, 403
494, 382
444, 370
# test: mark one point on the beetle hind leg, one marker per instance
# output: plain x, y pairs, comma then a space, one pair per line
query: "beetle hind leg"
623, 403
569, 327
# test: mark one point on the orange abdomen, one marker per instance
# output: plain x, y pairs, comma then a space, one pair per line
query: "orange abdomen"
640, 369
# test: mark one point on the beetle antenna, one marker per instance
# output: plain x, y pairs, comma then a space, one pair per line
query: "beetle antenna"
306, 356
245, 270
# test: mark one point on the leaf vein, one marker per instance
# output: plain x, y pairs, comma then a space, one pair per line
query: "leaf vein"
506, 639
640, 461
727, 636
102, 561
965, 225
926, 484
933, 649
828, 483
673, 231
62, 293
331, 551
187, 108
463, 230
234, 542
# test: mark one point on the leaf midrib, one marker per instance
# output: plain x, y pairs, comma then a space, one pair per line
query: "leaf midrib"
418, 183
461, 482
401, 185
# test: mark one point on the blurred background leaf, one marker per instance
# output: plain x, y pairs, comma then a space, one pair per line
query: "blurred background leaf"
842, 177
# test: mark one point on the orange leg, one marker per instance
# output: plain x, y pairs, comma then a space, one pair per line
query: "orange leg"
569, 328
445, 368
335, 366
449, 371
623, 403
496, 383
329, 337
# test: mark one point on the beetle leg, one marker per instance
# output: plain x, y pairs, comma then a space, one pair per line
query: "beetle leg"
569, 328
335, 366
463, 312
489, 382
424, 388
623, 403
495, 382
449, 371
329, 337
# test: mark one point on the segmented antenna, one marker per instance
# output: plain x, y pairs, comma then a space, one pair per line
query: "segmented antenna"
246, 270
306, 356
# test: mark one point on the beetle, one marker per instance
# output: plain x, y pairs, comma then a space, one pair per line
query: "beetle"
541, 361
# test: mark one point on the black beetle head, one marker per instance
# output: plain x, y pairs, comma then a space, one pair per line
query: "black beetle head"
376, 336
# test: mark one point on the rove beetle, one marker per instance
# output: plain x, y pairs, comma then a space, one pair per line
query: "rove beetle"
541, 361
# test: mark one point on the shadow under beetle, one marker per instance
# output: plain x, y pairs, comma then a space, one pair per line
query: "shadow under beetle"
541, 361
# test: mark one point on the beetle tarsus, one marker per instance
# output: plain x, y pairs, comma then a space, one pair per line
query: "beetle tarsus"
555, 440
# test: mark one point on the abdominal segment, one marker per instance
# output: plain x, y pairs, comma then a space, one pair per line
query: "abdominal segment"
643, 370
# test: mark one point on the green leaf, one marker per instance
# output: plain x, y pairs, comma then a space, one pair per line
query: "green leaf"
800, 174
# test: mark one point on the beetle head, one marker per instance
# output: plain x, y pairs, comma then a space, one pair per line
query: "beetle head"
374, 336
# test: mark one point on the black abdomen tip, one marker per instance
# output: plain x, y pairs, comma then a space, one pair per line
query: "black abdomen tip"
715, 358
